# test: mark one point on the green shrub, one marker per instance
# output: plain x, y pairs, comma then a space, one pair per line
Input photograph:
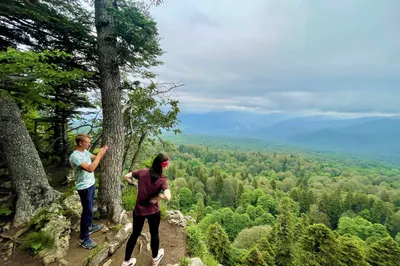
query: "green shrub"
163, 210
37, 241
209, 260
185, 262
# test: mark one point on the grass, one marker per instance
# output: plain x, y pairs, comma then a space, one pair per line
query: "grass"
129, 197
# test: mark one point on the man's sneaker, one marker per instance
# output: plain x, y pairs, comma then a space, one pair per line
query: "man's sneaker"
131, 262
159, 257
95, 228
89, 244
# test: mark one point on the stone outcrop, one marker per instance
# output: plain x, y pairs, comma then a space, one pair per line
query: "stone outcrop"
194, 262
59, 227
177, 218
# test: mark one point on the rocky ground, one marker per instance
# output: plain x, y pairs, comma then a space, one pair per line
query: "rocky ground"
67, 251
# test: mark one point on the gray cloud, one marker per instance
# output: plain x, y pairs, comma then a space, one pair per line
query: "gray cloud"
294, 56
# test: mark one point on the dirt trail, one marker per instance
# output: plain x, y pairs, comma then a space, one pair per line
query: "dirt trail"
172, 240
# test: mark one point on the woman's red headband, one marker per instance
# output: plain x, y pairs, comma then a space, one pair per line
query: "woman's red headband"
165, 163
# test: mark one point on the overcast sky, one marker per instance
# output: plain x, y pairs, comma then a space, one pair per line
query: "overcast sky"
302, 56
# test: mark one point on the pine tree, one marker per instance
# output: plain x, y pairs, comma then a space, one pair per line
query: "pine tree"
318, 246
254, 258
218, 243
200, 209
267, 251
285, 232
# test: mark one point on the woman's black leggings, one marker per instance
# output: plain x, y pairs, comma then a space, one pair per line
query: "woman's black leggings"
138, 222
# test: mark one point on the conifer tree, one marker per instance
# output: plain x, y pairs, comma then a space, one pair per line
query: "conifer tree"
254, 258
218, 243
285, 232
318, 246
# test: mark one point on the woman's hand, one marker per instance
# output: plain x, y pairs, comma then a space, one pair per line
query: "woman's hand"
154, 200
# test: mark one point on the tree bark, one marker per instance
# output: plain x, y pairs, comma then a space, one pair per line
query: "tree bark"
28, 176
113, 127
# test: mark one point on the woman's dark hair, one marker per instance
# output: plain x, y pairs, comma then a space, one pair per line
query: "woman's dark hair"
156, 168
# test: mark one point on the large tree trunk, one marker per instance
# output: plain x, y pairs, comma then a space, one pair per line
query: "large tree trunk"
113, 127
28, 176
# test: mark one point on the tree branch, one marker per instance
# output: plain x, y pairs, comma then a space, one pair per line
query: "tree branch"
172, 86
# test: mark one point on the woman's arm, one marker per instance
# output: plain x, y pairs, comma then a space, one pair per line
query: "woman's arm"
166, 195
129, 178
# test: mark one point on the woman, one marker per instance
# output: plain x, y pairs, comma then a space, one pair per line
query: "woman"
151, 183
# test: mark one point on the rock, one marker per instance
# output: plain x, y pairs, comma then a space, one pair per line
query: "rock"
70, 176
108, 263
59, 227
54, 208
62, 262
104, 229
48, 260
73, 204
194, 262
197, 262
177, 218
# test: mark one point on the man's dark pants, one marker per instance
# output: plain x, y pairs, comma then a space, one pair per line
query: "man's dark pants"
87, 200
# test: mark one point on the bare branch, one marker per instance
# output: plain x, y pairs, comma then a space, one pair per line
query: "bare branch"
125, 107
161, 85
84, 125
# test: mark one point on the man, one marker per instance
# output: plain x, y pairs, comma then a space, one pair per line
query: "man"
84, 163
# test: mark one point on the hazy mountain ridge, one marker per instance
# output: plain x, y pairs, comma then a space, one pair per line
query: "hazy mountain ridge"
374, 135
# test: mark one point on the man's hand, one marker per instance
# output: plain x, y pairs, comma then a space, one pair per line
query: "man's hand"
103, 150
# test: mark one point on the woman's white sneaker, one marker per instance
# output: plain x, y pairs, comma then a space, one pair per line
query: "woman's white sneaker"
131, 262
159, 257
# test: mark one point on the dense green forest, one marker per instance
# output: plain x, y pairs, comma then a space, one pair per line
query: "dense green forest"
280, 208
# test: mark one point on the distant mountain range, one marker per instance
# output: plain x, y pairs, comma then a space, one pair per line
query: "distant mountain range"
375, 136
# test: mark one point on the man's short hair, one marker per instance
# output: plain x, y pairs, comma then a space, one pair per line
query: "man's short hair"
81, 138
